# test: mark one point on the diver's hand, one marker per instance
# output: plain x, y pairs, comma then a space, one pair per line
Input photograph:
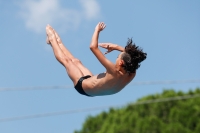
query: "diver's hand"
100, 26
109, 46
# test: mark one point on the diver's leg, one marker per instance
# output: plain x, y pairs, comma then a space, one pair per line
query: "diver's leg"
73, 71
76, 61
56, 49
61, 45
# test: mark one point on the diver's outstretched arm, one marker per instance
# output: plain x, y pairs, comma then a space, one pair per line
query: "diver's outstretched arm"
110, 47
96, 51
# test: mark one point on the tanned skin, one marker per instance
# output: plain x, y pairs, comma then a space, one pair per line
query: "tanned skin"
112, 81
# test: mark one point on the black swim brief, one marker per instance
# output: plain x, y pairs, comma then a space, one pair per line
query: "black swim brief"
78, 86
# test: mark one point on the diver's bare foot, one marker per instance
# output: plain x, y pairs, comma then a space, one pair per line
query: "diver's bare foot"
50, 34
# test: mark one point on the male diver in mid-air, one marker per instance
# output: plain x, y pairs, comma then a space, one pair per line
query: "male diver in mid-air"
117, 75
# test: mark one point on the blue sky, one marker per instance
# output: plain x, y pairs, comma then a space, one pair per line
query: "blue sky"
169, 31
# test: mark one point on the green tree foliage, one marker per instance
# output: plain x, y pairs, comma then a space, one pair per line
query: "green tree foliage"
177, 116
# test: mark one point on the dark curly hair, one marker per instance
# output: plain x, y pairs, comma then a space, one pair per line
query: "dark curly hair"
132, 57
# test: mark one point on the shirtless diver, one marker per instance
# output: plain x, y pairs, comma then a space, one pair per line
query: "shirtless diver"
117, 75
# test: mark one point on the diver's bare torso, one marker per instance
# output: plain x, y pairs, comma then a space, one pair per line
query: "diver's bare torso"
106, 83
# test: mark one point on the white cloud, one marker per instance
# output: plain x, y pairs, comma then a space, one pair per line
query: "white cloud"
38, 13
